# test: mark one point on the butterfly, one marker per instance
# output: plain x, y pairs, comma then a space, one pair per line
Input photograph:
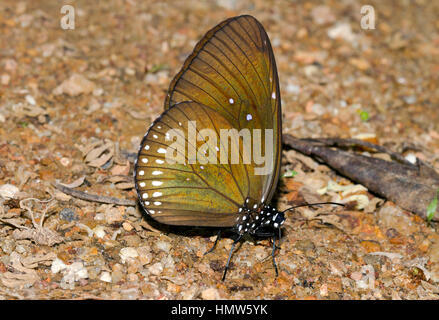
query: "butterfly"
212, 158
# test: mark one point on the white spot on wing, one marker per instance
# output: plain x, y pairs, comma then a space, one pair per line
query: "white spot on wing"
142, 184
231, 101
157, 194
249, 117
145, 195
141, 173
273, 95
147, 147
159, 161
157, 183
157, 172
145, 160
161, 150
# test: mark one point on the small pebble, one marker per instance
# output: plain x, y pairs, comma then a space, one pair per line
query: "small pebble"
410, 99
304, 245
8, 191
324, 290
127, 253
156, 269
99, 232
322, 15
132, 240
7, 245
65, 161
68, 214
145, 256
163, 245
5, 79
10, 65
98, 92
357, 276
57, 265
411, 158
293, 89
318, 109
113, 215
127, 226
116, 276
74, 86
210, 294
105, 276
342, 30
132, 277
433, 253
30, 100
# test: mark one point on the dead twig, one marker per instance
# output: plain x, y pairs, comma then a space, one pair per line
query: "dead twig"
39, 234
411, 186
94, 197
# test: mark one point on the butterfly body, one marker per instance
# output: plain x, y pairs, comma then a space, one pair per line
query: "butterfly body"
257, 222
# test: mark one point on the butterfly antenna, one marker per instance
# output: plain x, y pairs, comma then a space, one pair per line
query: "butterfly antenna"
313, 204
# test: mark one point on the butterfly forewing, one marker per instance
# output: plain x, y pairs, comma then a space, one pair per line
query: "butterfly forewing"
186, 192
232, 71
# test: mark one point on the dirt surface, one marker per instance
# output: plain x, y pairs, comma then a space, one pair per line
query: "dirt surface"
74, 105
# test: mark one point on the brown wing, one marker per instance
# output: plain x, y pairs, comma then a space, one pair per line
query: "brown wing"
232, 70
182, 193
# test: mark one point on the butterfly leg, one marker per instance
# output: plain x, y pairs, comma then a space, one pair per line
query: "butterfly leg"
230, 256
218, 236
274, 249
272, 255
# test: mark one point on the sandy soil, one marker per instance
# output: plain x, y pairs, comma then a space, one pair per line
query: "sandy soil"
74, 105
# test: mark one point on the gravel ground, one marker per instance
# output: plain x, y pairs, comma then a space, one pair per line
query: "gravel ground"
74, 105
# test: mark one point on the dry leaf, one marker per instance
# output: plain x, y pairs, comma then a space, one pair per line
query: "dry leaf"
125, 185
74, 86
74, 184
34, 260
21, 276
40, 235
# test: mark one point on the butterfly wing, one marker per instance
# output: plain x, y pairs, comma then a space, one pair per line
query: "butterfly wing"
184, 193
232, 70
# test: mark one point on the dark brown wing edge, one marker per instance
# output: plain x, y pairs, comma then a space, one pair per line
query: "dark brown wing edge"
198, 47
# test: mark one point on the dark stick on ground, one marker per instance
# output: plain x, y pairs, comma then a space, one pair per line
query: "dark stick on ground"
93, 197
411, 186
